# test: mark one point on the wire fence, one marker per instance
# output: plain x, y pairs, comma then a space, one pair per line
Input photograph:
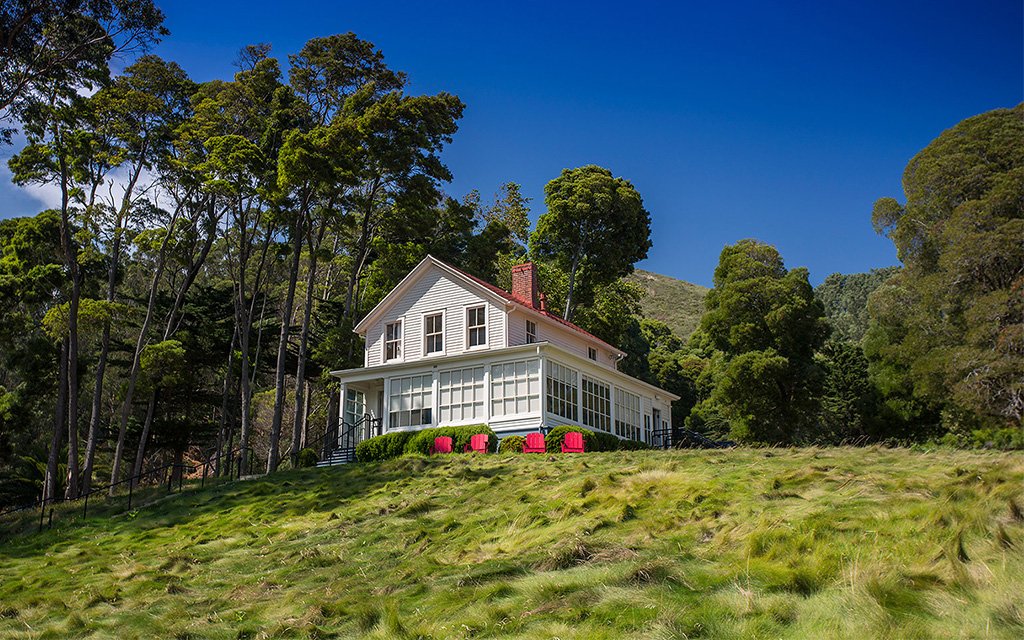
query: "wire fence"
124, 495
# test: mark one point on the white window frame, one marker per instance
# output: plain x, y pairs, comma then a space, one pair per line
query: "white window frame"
603, 421
628, 407
531, 336
444, 341
561, 391
399, 341
465, 317
499, 383
457, 391
422, 396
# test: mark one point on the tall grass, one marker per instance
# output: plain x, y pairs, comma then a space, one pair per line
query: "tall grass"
829, 543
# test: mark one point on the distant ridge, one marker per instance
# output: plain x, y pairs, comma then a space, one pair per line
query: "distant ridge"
677, 303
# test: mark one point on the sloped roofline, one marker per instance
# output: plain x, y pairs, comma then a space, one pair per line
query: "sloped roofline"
488, 289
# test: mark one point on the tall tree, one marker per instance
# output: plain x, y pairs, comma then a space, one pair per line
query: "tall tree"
595, 229
67, 45
766, 326
947, 330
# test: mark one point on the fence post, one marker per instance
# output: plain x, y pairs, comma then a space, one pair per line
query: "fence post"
85, 507
42, 513
131, 486
49, 522
202, 483
181, 477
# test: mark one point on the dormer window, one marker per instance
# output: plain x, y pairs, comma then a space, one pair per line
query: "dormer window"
476, 326
393, 341
433, 333
592, 353
531, 332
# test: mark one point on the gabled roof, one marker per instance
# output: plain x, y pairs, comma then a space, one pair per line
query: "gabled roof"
488, 289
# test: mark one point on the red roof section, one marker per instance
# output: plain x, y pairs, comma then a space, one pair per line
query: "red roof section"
508, 296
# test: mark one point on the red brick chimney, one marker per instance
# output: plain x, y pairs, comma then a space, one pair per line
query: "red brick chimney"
524, 284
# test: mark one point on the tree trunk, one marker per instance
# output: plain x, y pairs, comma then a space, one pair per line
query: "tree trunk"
299, 417
273, 456
133, 376
567, 315
76, 293
59, 414
225, 406
140, 454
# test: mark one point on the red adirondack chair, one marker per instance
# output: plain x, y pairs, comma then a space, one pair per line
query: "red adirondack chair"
573, 443
442, 444
477, 444
534, 443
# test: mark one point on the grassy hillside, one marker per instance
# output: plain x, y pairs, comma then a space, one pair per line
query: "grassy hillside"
835, 543
676, 303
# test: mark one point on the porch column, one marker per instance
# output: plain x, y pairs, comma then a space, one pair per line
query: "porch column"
343, 400
385, 418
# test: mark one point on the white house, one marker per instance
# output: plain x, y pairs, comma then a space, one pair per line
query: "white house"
445, 348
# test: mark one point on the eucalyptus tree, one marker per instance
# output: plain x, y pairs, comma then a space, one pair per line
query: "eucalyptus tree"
595, 229
65, 44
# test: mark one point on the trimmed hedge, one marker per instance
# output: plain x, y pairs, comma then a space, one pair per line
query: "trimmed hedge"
632, 445
385, 447
422, 440
605, 442
512, 444
554, 438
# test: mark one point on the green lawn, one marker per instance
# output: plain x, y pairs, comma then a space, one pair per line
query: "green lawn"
810, 543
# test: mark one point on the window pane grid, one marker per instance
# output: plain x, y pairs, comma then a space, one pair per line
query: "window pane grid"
462, 394
433, 332
476, 325
393, 340
561, 391
627, 415
596, 404
515, 387
410, 401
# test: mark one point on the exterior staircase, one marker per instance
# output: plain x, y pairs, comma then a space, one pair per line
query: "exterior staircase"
339, 443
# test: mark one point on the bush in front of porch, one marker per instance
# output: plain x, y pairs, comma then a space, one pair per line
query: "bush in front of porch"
393, 445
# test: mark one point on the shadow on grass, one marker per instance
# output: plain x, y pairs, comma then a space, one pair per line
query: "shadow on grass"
285, 494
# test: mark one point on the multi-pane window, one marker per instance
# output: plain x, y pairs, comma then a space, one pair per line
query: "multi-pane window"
461, 394
515, 387
393, 340
433, 333
410, 401
627, 415
476, 326
592, 353
531, 332
596, 404
646, 435
561, 391
355, 406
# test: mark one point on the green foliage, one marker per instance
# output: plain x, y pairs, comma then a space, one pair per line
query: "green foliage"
307, 458
553, 439
632, 445
512, 444
595, 230
849, 400
946, 332
383, 447
766, 325
845, 299
422, 440
164, 363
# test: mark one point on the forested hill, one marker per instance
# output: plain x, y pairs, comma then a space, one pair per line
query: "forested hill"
677, 303
845, 297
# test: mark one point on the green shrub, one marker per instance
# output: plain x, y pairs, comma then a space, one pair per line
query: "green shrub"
632, 445
422, 440
308, 458
512, 444
384, 447
605, 441
1006, 439
554, 438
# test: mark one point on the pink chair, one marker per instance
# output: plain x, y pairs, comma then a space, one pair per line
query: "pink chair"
534, 443
573, 443
477, 444
442, 444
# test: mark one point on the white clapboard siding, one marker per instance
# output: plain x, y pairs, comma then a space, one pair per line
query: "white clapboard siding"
558, 334
434, 292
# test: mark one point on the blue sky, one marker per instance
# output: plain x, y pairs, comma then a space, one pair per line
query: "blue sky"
779, 121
